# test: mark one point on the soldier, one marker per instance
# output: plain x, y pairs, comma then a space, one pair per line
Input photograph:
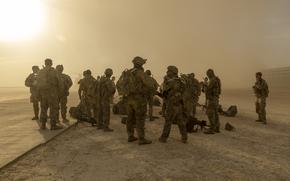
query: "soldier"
64, 93
165, 78
112, 98
151, 94
49, 82
31, 82
204, 85
196, 92
89, 95
131, 85
261, 91
187, 95
212, 93
173, 91
107, 91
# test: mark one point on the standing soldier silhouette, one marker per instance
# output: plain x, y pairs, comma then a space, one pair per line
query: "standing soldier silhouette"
261, 91
31, 82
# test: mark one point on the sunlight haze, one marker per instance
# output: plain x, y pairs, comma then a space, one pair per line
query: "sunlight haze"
235, 38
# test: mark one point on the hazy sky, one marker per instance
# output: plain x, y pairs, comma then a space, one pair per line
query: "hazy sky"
234, 37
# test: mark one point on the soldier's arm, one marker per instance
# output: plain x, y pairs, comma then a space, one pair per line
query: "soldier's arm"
59, 82
211, 84
145, 79
28, 81
265, 85
80, 93
80, 89
70, 82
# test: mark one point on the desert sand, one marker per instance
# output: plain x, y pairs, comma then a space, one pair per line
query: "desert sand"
252, 152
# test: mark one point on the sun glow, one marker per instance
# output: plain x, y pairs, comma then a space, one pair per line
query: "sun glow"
21, 19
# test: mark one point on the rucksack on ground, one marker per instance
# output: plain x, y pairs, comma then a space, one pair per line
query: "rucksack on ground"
232, 111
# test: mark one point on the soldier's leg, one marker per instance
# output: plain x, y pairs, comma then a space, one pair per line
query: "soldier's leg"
100, 116
36, 109
130, 121
182, 125
211, 117
140, 108
216, 117
263, 110
150, 102
96, 114
163, 108
169, 117
43, 110
63, 107
257, 104
54, 110
106, 115
217, 121
140, 114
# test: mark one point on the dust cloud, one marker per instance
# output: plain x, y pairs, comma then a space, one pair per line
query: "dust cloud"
235, 38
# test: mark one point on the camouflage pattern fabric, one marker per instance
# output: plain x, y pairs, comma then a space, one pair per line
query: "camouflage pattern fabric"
174, 107
31, 82
107, 90
49, 96
212, 96
261, 91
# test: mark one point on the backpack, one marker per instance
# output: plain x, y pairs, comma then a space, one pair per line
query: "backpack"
127, 83
92, 89
42, 79
232, 111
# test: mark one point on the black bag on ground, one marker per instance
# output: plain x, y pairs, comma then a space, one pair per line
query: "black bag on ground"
80, 116
194, 124
232, 111
120, 108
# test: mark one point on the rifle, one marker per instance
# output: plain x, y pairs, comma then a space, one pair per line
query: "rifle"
76, 113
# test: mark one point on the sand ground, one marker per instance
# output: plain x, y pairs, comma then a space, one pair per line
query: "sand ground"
252, 152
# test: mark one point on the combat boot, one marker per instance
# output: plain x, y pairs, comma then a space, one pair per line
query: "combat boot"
107, 129
259, 120
144, 141
217, 130
56, 127
209, 131
132, 139
43, 125
34, 118
162, 140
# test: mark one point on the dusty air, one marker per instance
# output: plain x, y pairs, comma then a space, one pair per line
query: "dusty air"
144, 90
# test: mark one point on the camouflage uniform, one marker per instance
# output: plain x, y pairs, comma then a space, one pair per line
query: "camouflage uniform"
107, 90
187, 95
150, 94
89, 95
31, 82
212, 96
137, 103
49, 95
64, 92
261, 91
196, 94
173, 91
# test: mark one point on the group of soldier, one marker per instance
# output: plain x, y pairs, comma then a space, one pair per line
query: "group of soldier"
50, 87
180, 94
